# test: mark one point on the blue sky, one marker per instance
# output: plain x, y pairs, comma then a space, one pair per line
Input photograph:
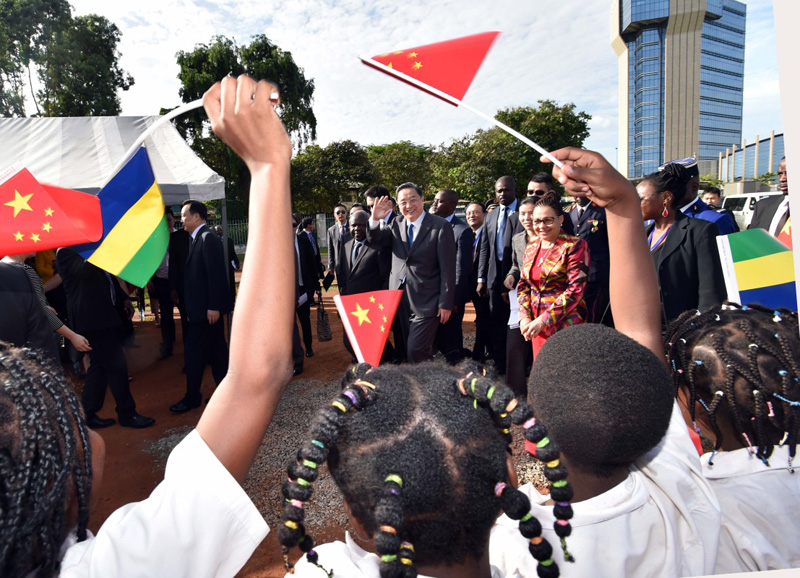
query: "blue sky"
548, 50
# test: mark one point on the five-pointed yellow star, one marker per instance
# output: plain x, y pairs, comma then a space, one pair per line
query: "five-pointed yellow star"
383, 329
412, 54
372, 299
48, 212
20, 203
380, 306
361, 314
46, 227
18, 236
390, 65
384, 318
34, 237
417, 65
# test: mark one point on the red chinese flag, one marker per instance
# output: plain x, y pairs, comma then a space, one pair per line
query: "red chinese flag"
447, 66
35, 217
367, 319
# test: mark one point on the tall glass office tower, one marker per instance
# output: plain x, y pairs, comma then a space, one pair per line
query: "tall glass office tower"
681, 71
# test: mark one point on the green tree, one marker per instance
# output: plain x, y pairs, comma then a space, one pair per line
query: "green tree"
261, 59
321, 177
767, 178
711, 180
81, 75
471, 165
401, 162
74, 59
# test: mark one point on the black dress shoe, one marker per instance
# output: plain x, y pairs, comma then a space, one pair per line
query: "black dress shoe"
136, 421
298, 369
183, 406
309, 353
95, 422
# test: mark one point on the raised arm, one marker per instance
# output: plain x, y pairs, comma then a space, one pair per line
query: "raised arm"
236, 419
633, 286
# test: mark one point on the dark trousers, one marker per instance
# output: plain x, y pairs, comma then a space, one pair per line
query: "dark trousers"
205, 344
184, 326
500, 312
166, 308
108, 368
519, 356
297, 348
450, 337
483, 319
597, 302
304, 315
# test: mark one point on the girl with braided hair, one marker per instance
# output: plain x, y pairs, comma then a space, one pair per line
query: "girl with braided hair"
683, 249
419, 454
641, 504
737, 374
198, 521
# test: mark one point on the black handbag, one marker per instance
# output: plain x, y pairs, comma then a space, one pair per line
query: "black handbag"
323, 324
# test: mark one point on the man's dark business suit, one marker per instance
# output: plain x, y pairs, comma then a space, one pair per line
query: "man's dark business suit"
206, 288
427, 273
92, 295
180, 242
494, 271
592, 227
308, 283
336, 241
450, 336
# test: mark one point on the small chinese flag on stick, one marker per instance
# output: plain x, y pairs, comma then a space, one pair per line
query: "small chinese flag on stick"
367, 319
446, 66
35, 217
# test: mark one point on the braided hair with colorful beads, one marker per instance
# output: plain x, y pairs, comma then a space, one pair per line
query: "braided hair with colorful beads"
739, 365
419, 453
45, 464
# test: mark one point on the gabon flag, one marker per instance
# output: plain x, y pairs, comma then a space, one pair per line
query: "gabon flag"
35, 217
448, 66
367, 320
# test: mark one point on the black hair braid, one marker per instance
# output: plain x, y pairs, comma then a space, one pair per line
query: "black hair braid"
297, 489
507, 409
751, 342
42, 436
389, 517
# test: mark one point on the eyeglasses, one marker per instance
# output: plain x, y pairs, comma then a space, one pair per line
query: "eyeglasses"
340, 212
537, 193
546, 221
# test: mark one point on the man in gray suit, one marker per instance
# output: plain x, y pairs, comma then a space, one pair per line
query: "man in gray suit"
450, 337
423, 264
338, 235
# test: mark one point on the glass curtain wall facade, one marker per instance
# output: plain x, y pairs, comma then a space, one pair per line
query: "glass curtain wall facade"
744, 165
643, 26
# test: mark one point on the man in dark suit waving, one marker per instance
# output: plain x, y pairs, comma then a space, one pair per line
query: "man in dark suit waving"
450, 337
207, 300
423, 264
495, 262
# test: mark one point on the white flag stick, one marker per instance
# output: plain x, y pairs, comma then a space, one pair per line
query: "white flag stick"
150, 130
348, 328
455, 101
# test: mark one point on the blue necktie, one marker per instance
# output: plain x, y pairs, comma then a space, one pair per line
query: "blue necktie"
501, 233
410, 235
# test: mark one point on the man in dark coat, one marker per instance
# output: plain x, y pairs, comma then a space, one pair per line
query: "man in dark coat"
338, 235
308, 274
207, 300
450, 336
495, 262
588, 221
22, 320
772, 213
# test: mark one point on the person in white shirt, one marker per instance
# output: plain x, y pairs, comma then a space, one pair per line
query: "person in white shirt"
198, 521
739, 383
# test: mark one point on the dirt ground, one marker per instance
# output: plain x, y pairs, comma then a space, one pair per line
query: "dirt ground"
132, 469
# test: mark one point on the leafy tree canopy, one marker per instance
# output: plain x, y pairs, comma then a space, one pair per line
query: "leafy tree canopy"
401, 162
75, 60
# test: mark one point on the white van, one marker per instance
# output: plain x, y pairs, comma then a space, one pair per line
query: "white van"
742, 206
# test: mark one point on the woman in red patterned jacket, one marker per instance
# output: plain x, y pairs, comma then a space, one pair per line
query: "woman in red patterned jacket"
554, 274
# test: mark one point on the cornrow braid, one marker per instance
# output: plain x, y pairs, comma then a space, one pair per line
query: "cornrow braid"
506, 409
44, 453
421, 464
747, 357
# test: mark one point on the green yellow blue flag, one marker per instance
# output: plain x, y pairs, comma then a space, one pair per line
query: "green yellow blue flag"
135, 234
758, 269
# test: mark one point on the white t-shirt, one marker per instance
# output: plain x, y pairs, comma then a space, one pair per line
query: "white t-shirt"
662, 520
197, 522
348, 560
760, 510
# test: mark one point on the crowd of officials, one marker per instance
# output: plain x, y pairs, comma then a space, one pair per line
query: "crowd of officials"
420, 451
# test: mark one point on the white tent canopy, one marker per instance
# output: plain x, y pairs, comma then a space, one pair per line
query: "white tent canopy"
80, 152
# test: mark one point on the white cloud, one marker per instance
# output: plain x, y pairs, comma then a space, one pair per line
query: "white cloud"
548, 50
